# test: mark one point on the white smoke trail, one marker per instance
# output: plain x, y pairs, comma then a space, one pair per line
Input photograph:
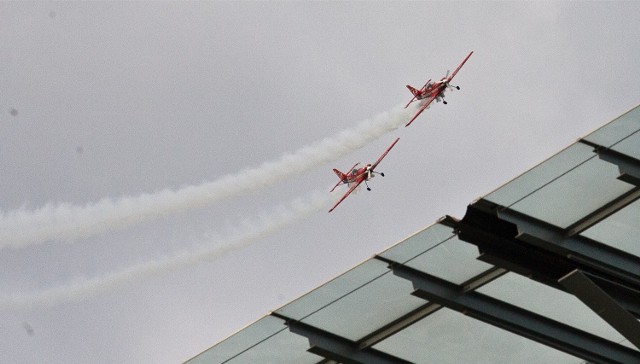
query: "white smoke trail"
82, 288
21, 228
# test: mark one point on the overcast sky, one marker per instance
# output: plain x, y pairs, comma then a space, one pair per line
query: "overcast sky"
139, 223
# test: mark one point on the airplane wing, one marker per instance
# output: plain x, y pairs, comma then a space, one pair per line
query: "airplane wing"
422, 108
337, 184
373, 166
353, 187
410, 101
460, 66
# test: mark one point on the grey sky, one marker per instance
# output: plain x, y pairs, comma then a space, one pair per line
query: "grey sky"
107, 100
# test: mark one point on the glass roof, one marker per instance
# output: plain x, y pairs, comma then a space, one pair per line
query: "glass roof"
265, 341
369, 307
541, 175
452, 260
370, 301
546, 301
450, 337
617, 130
561, 202
418, 243
629, 146
620, 230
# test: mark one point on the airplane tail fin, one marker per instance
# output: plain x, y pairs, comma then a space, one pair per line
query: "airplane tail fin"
416, 94
339, 174
413, 90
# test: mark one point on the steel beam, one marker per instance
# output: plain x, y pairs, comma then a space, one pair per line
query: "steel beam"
424, 310
624, 296
603, 212
398, 325
581, 250
517, 320
541, 251
628, 166
339, 349
601, 303
497, 243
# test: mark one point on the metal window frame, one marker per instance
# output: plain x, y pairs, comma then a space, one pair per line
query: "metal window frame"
337, 348
517, 320
628, 166
546, 253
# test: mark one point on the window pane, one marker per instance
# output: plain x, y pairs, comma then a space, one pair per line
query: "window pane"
447, 336
552, 303
453, 260
616, 130
418, 243
620, 230
540, 175
575, 194
368, 308
629, 146
334, 289
265, 341
282, 348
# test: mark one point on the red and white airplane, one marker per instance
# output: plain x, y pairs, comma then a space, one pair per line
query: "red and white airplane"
358, 175
433, 91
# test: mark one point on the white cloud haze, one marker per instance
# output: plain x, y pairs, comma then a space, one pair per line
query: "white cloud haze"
66, 222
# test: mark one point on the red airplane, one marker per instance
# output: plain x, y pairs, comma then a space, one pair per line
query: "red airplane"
358, 175
433, 91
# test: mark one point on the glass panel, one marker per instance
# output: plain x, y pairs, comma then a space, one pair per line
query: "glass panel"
453, 260
616, 130
447, 336
629, 146
552, 303
574, 195
620, 230
265, 341
540, 175
418, 243
242, 340
357, 302
334, 289
368, 308
282, 348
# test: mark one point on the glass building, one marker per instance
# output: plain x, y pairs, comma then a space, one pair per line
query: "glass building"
544, 269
